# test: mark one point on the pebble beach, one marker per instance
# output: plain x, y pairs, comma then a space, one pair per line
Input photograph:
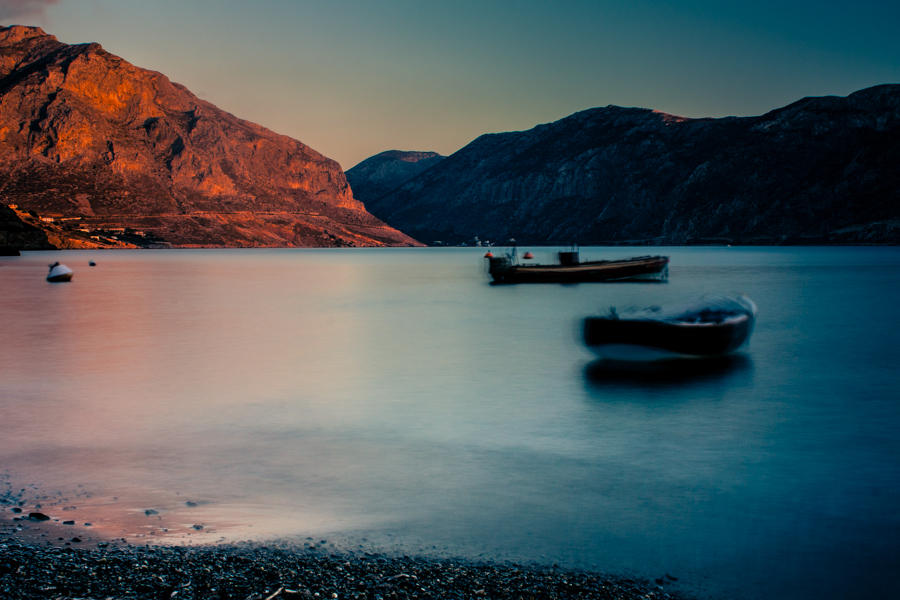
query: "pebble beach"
30, 570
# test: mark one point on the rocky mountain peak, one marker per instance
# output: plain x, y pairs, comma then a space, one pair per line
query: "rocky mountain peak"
14, 34
85, 134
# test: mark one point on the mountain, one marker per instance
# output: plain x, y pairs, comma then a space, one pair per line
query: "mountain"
114, 154
821, 170
17, 235
377, 175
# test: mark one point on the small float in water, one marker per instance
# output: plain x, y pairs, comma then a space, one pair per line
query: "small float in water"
712, 327
59, 272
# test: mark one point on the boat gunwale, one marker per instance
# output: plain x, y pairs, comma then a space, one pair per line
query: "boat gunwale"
729, 321
594, 265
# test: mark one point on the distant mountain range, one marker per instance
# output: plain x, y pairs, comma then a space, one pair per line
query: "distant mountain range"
821, 170
96, 152
374, 177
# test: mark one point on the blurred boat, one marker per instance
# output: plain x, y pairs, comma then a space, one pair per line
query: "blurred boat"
505, 269
59, 272
709, 328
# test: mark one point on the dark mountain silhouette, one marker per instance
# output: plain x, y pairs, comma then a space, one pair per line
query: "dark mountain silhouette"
377, 175
17, 235
821, 170
118, 155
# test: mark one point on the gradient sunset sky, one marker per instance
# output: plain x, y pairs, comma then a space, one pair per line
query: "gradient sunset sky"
353, 78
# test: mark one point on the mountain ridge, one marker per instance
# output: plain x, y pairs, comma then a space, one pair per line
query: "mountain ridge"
86, 135
818, 170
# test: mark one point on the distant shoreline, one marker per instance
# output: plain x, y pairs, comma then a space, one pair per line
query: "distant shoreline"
520, 245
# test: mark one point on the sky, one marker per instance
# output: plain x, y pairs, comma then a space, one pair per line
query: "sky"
352, 78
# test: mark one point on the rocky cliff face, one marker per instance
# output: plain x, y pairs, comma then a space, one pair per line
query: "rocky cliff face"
87, 137
374, 177
821, 170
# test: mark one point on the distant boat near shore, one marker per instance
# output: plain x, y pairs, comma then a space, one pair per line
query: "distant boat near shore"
506, 269
59, 272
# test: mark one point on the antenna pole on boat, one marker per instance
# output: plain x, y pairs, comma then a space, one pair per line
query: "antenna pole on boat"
513, 258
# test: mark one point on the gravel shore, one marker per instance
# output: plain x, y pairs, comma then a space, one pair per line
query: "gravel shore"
31, 570
59, 557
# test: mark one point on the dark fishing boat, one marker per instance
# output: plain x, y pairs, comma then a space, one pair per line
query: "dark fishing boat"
709, 328
507, 269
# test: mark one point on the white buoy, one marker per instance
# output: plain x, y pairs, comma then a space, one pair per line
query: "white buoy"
59, 272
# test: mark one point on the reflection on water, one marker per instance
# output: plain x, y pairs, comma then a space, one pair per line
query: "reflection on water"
395, 396
602, 372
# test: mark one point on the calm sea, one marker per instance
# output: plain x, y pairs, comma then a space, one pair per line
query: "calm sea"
392, 400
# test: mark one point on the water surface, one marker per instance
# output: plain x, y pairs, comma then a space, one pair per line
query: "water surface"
393, 399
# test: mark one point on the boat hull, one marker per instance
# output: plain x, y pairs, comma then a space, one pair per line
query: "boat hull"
647, 340
645, 268
59, 273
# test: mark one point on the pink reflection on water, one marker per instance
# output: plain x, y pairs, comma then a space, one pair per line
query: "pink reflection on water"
129, 378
